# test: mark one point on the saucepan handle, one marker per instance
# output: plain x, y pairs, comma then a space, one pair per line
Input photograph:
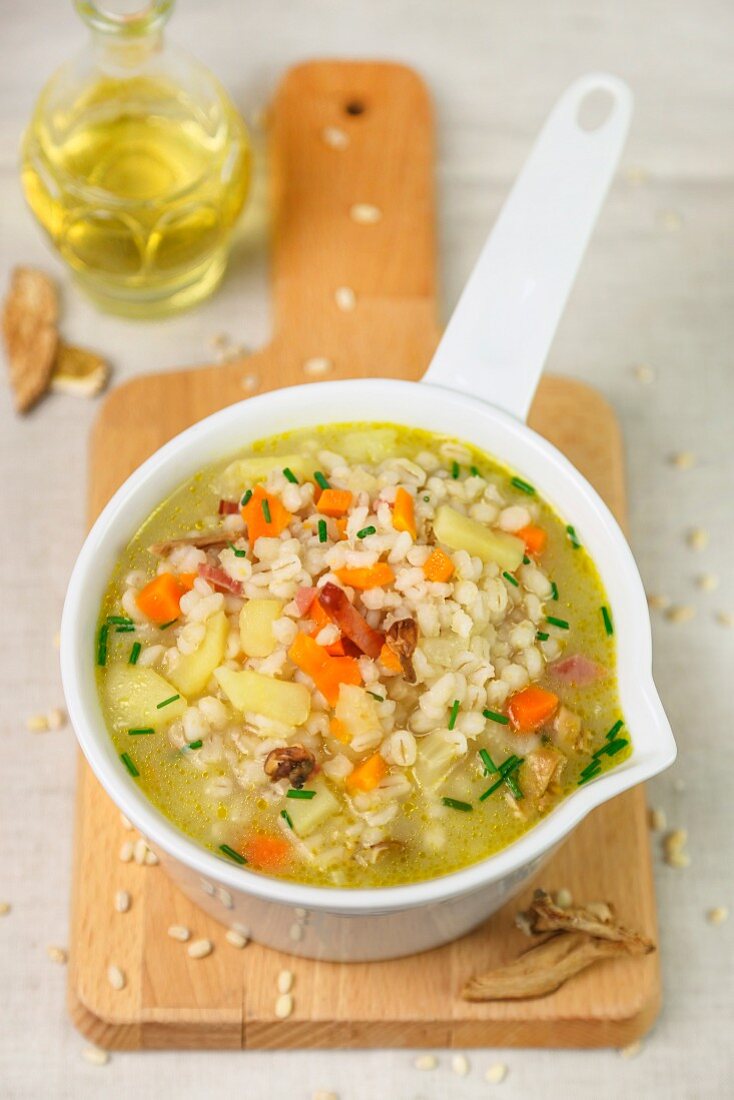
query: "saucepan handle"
497, 340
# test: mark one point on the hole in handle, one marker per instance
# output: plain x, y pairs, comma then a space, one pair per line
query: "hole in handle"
355, 107
595, 109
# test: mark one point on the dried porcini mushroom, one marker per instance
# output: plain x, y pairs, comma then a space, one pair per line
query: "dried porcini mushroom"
37, 358
580, 936
78, 371
402, 638
31, 337
294, 763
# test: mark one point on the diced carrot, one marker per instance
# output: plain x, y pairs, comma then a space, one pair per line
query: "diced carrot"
265, 852
403, 513
374, 576
307, 654
339, 730
327, 672
186, 580
334, 502
390, 660
255, 514
160, 598
367, 775
321, 619
336, 671
535, 538
438, 566
531, 707
341, 526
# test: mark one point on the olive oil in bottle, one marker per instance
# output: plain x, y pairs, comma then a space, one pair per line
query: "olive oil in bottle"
137, 165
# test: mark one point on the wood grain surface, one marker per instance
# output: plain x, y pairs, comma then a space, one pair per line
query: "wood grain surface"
227, 1000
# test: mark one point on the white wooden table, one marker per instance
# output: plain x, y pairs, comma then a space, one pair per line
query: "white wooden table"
657, 288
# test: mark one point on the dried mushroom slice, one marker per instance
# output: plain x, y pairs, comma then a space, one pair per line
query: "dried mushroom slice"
77, 371
544, 968
207, 541
402, 639
30, 315
545, 916
294, 763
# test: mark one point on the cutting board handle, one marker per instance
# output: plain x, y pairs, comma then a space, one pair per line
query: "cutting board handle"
352, 167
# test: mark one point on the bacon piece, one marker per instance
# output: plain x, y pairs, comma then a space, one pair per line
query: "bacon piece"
219, 579
303, 599
402, 638
576, 669
228, 507
207, 541
352, 625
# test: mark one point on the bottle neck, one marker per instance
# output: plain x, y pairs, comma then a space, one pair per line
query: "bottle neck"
125, 33
122, 55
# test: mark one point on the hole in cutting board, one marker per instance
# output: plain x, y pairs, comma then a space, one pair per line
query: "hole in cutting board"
355, 107
594, 109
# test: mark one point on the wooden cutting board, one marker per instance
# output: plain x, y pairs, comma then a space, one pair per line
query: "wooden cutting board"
379, 153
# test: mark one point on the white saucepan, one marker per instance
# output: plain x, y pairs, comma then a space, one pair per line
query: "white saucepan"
478, 388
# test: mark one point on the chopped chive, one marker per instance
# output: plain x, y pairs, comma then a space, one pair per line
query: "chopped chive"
366, 531
379, 698
119, 620
265, 505
231, 853
427, 499
165, 626
589, 772
125, 628
513, 580
322, 531
455, 804
246, 498
455, 469
542, 636
573, 537
129, 764
523, 486
134, 653
560, 623
525, 559
194, 744
607, 621
489, 764
289, 475
474, 471
454, 713
495, 717
141, 731
614, 730
320, 480
237, 553
505, 771
102, 645
287, 818
554, 590
165, 702
611, 748
295, 793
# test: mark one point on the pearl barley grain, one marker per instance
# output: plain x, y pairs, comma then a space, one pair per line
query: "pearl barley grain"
460, 1065
235, 938
179, 932
365, 213
317, 365
334, 137
116, 977
426, 1061
122, 901
698, 538
496, 1073
199, 949
285, 981
95, 1056
58, 955
283, 1006
345, 299
126, 851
